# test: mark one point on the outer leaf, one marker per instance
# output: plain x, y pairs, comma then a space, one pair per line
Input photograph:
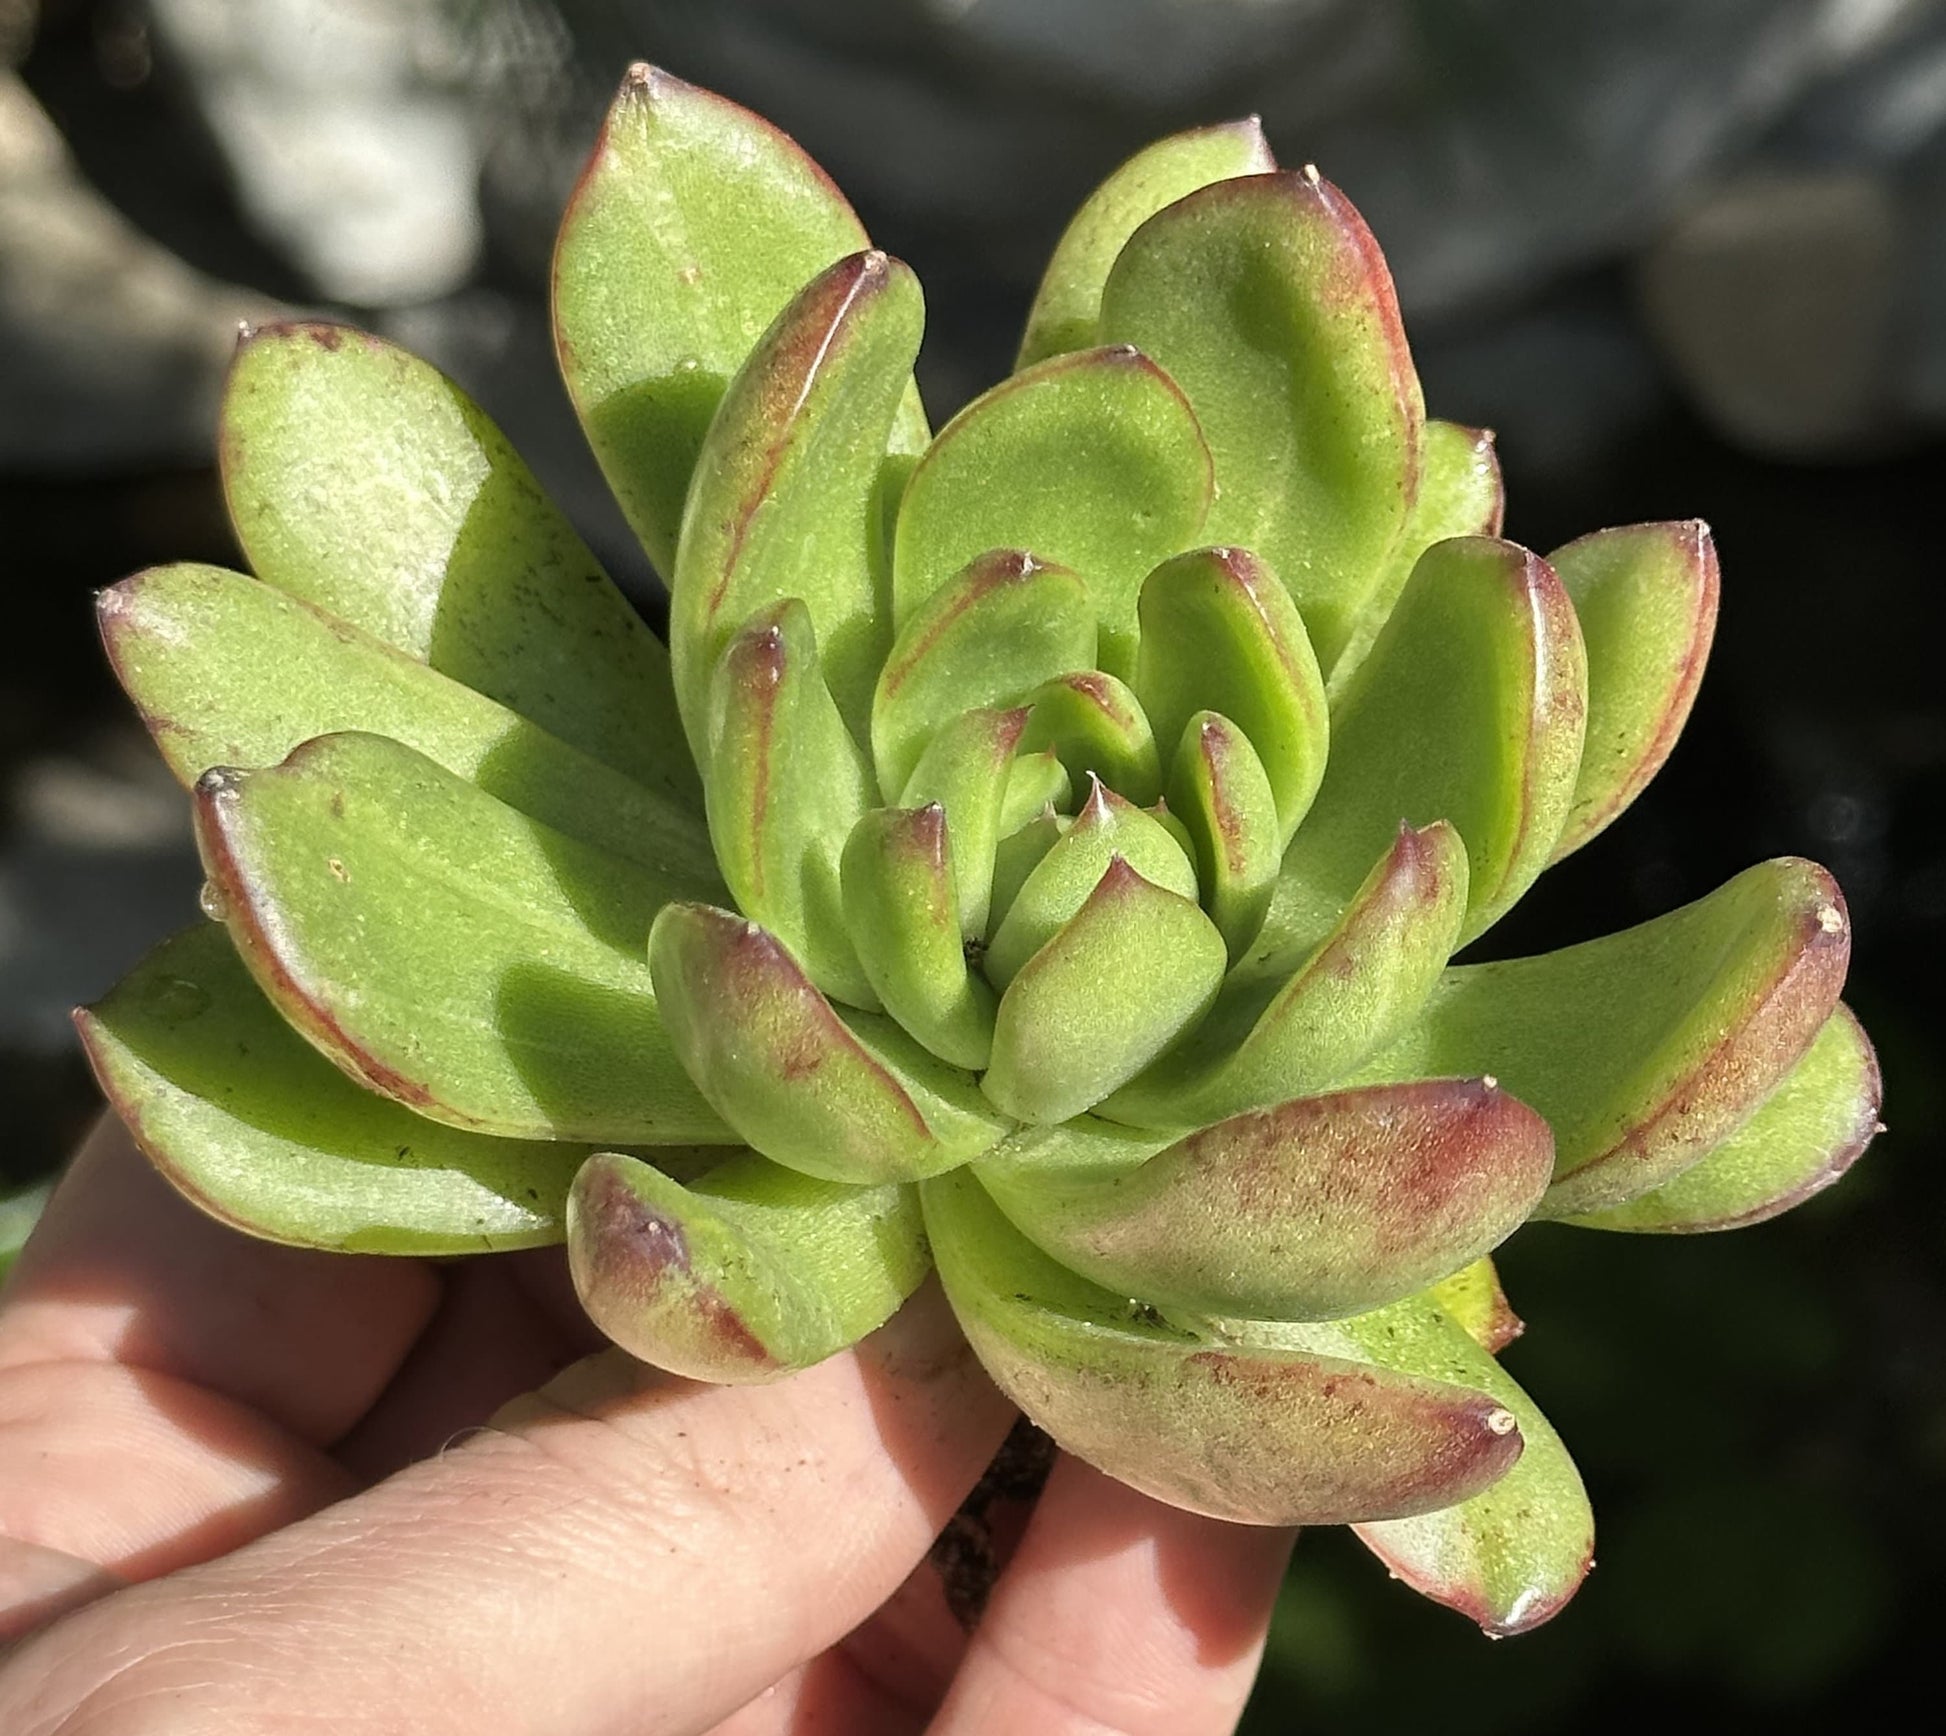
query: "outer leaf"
229, 672
1066, 314
1812, 1128
785, 500
19, 1213
1265, 1436
903, 910
695, 221
1221, 793
1091, 1009
1094, 725
1473, 1297
746, 1274
786, 783
1267, 300
965, 768
1510, 1557
445, 950
1460, 494
988, 637
1092, 462
363, 481
1645, 1049
1646, 598
1106, 830
1292, 1022
1469, 709
253, 1125
1220, 634
854, 1102
1309, 1211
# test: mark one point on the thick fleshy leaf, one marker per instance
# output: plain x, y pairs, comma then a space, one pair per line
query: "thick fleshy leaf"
1646, 1049
853, 1101
1066, 314
256, 1127
1020, 852
1107, 829
1092, 462
903, 910
363, 481
1293, 1021
446, 950
1133, 968
1267, 301
987, 637
19, 1213
1460, 494
1219, 633
785, 501
1811, 1129
693, 224
1037, 783
1265, 1436
1469, 709
966, 769
1094, 726
1509, 1557
748, 1273
1315, 1209
1474, 1298
229, 672
1221, 793
786, 783
1646, 598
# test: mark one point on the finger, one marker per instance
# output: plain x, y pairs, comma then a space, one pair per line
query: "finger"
123, 1269
1118, 1614
624, 1552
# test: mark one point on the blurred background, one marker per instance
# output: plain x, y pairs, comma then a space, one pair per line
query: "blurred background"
1687, 259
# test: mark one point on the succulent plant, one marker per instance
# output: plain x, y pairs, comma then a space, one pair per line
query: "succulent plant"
1038, 852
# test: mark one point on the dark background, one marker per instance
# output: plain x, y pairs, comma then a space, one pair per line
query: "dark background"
1684, 266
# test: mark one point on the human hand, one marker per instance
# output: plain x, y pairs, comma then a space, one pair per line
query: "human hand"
253, 1488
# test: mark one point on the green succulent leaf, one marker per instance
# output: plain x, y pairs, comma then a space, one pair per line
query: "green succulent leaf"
1267, 301
786, 783
844, 1100
364, 482
19, 1213
1243, 1432
1066, 314
750, 1272
1037, 783
1090, 1009
1319, 1208
904, 912
229, 672
446, 950
1219, 790
1220, 634
990, 636
693, 224
1095, 727
1645, 1049
1470, 709
1292, 1021
786, 498
1511, 1556
256, 1127
1646, 599
1093, 462
1474, 1298
1812, 1128
965, 769
1062, 879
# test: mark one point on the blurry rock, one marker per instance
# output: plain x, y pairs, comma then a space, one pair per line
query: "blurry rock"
1773, 299
113, 349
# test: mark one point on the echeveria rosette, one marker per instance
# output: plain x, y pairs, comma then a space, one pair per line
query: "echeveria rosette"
1037, 853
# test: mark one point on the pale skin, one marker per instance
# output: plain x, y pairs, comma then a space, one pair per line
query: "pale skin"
246, 1488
